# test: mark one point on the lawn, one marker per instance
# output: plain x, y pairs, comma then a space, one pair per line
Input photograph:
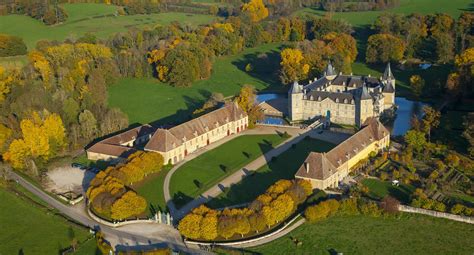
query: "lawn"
98, 19
205, 171
140, 99
284, 167
27, 228
379, 189
409, 234
152, 190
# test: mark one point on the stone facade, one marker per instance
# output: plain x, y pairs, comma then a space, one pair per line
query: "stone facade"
175, 143
342, 99
326, 170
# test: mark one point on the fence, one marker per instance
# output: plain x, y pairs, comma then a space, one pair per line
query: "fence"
159, 217
404, 208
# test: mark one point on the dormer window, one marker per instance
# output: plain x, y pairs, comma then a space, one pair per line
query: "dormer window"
345, 100
337, 100
319, 98
311, 98
352, 101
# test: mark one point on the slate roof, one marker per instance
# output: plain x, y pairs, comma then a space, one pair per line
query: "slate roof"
323, 165
331, 95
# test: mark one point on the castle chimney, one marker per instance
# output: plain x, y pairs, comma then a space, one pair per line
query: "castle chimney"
306, 165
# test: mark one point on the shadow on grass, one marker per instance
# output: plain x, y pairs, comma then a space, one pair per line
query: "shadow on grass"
282, 167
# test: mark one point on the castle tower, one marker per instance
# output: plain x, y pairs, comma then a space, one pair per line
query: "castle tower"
295, 104
364, 106
388, 80
330, 73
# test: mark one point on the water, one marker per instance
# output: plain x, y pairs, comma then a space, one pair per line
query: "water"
268, 96
406, 110
272, 120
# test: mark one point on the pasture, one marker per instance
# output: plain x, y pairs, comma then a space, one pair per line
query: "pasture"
41, 231
404, 234
98, 19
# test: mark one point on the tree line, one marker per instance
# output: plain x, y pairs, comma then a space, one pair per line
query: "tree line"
109, 194
278, 202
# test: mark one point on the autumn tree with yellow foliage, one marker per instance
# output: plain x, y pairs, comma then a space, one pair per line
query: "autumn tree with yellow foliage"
293, 67
128, 205
43, 136
247, 102
255, 9
268, 209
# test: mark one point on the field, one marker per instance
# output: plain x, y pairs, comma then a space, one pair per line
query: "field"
98, 19
284, 167
409, 234
205, 171
146, 100
40, 231
452, 7
379, 189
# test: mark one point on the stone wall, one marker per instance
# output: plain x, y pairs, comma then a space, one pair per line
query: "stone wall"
409, 209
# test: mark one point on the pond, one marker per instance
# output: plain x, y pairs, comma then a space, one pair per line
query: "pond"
269, 96
272, 120
406, 110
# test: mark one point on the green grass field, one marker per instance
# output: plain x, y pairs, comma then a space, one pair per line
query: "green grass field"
98, 19
379, 189
284, 167
147, 100
409, 234
211, 167
29, 229
451, 7
152, 190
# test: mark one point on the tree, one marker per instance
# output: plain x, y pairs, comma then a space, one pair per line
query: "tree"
88, 124
417, 83
469, 132
128, 205
247, 102
416, 140
114, 120
5, 135
292, 65
17, 153
382, 48
390, 204
431, 120
257, 222
209, 226
317, 212
255, 9
190, 226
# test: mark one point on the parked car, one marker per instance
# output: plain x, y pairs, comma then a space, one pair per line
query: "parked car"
80, 166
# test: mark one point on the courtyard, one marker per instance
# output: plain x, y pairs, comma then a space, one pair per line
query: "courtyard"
201, 173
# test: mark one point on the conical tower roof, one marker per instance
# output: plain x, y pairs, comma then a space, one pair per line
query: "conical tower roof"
388, 72
329, 71
365, 93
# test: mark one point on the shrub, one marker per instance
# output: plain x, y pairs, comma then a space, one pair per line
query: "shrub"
349, 207
317, 212
11, 46
390, 204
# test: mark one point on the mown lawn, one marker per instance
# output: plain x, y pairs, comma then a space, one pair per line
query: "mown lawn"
283, 167
152, 190
203, 172
379, 189
409, 234
98, 19
27, 228
147, 100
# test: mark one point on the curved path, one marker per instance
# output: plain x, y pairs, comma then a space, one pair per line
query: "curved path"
126, 237
296, 136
